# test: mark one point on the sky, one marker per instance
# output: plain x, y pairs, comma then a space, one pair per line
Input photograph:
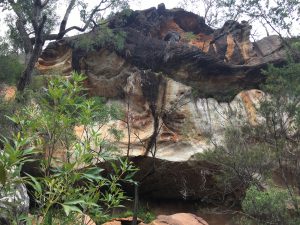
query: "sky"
135, 5
144, 4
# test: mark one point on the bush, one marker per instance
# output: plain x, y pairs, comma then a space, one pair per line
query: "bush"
68, 184
241, 162
10, 69
269, 206
250, 154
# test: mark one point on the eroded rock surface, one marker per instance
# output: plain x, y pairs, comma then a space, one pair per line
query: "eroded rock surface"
173, 42
178, 81
175, 78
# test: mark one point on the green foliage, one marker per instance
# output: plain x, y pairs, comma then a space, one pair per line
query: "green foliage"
145, 215
242, 164
278, 16
189, 36
268, 207
70, 184
283, 86
104, 37
295, 43
10, 63
251, 154
10, 68
14, 154
9, 107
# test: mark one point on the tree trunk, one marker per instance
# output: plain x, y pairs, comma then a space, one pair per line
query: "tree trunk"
27, 73
136, 204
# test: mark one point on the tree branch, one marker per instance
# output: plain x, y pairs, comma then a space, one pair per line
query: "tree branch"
45, 3
64, 21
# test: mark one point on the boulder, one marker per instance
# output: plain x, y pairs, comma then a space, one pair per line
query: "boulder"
178, 219
14, 201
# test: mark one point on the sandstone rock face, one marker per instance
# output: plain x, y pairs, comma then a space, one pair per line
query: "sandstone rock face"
178, 219
179, 82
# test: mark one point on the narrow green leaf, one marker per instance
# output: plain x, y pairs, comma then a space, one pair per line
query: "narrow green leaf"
3, 174
70, 208
35, 184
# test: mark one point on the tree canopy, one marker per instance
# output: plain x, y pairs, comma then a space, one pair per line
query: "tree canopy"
280, 16
32, 22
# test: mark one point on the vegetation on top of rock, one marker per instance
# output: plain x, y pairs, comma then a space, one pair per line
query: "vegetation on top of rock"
31, 24
104, 37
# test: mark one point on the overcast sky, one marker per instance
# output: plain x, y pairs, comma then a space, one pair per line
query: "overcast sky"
144, 4
75, 19
136, 5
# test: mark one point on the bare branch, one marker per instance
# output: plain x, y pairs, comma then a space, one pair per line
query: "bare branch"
66, 18
44, 3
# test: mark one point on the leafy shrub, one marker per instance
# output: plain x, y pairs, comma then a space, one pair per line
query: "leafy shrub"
241, 163
107, 37
250, 154
68, 184
268, 207
10, 69
272, 206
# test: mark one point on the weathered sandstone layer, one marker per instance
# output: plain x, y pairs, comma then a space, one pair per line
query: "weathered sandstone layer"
178, 81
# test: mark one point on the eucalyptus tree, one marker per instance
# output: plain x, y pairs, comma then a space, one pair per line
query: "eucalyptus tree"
32, 23
273, 16
279, 16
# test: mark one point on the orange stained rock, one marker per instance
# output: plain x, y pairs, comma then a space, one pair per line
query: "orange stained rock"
9, 93
248, 98
79, 130
202, 41
246, 47
230, 47
168, 26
